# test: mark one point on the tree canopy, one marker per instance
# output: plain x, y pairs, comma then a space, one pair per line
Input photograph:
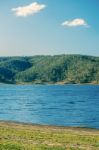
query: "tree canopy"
63, 69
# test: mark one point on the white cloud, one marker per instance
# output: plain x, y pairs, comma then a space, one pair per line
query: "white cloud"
30, 9
75, 22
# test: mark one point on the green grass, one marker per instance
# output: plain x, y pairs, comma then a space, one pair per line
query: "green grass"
14, 136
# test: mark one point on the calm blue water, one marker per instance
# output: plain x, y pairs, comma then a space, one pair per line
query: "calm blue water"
68, 105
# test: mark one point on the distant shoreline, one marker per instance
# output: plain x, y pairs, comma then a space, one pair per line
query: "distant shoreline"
25, 83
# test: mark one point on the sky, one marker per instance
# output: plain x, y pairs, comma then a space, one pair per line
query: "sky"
49, 27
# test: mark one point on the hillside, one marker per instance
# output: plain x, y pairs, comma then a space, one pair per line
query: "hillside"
62, 69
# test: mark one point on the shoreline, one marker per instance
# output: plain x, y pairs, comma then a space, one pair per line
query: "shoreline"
62, 84
8, 122
24, 136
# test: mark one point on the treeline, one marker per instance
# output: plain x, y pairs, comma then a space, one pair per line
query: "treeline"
63, 69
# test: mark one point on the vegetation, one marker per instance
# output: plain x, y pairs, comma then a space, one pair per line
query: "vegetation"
50, 69
15, 136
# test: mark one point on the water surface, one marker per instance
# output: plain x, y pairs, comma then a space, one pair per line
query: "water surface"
68, 105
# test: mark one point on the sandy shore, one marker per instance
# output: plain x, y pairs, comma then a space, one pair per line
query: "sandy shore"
22, 136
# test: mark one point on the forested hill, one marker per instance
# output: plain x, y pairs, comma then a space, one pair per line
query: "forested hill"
50, 69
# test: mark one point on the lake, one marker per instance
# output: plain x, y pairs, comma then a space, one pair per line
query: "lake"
67, 105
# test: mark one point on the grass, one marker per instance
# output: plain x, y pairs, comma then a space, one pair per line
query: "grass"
15, 136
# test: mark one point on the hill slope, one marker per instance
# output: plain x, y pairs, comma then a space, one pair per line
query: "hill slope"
50, 69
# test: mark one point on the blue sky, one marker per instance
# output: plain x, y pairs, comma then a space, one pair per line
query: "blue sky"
36, 27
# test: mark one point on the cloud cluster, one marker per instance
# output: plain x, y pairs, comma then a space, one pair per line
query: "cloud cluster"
23, 11
75, 22
30, 9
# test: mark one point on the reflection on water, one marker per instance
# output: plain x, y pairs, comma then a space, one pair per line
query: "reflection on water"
68, 105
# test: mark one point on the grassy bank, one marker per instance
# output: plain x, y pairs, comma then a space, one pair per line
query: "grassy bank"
14, 136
